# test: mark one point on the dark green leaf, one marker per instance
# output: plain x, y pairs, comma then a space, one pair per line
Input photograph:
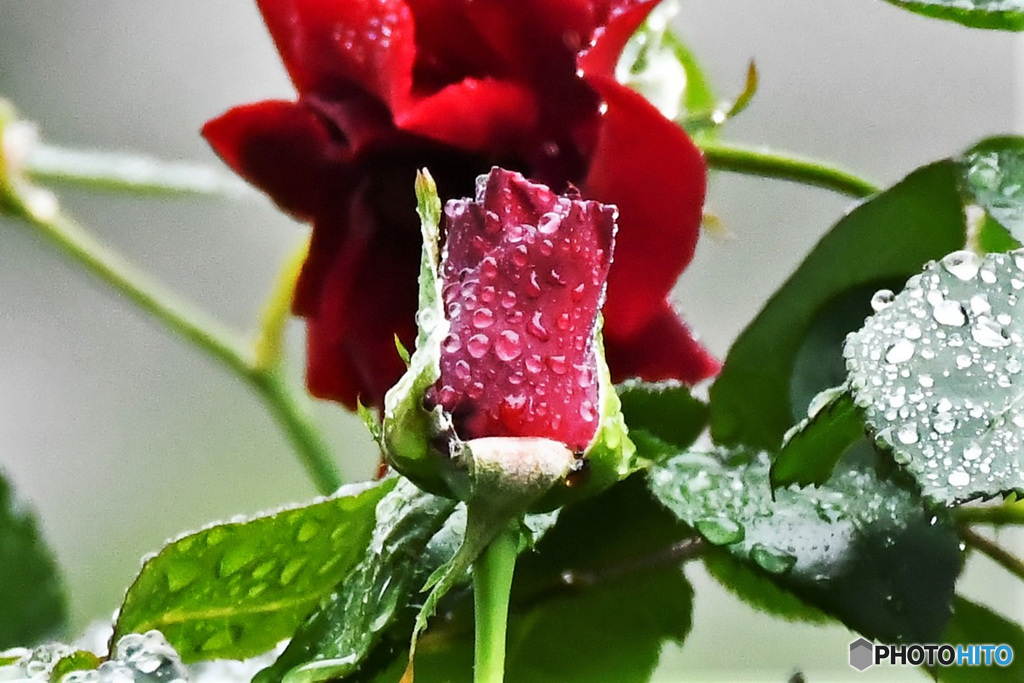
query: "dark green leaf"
938, 375
974, 624
342, 635
612, 632
819, 364
993, 178
663, 418
1007, 15
235, 590
757, 590
858, 548
32, 605
812, 449
887, 237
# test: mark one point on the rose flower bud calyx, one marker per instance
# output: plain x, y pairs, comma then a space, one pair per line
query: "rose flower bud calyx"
509, 363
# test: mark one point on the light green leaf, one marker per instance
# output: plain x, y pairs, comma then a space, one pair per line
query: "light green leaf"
342, 635
1007, 15
886, 238
235, 590
938, 375
858, 548
974, 624
811, 450
32, 606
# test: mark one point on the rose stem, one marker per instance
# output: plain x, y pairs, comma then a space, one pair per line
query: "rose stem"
492, 583
993, 550
764, 162
198, 328
131, 173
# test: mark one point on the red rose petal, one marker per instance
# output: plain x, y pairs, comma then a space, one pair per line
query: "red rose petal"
663, 349
283, 148
523, 277
648, 167
475, 115
330, 45
357, 310
609, 40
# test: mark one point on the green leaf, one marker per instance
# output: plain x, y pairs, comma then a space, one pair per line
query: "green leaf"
812, 448
32, 606
858, 548
974, 624
663, 417
235, 590
593, 575
617, 630
349, 628
993, 178
757, 590
938, 375
1007, 15
80, 660
887, 237
994, 238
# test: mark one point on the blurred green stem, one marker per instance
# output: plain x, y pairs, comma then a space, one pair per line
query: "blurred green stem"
287, 405
761, 161
131, 173
992, 550
995, 515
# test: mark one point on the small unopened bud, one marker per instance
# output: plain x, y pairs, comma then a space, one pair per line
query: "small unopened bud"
17, 194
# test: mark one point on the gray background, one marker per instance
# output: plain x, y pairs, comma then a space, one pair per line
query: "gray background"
121, 436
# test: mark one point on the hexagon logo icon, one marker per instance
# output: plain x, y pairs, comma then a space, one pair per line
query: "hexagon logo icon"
861, 654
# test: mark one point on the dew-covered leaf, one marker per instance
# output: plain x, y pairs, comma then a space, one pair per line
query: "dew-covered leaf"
993, 178
858, 548
349, 628
885, 238
974, 624
938, 375
811, 449
235, 590
32, 606
1007, 15
663, 418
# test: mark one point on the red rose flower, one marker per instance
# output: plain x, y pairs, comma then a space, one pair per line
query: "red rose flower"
388, 86
523, 274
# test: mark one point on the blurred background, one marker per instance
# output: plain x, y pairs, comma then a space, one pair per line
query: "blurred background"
121, 436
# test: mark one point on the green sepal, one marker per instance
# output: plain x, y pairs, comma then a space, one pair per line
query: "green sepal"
409, 430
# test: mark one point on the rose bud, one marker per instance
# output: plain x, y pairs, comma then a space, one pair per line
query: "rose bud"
509, 374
